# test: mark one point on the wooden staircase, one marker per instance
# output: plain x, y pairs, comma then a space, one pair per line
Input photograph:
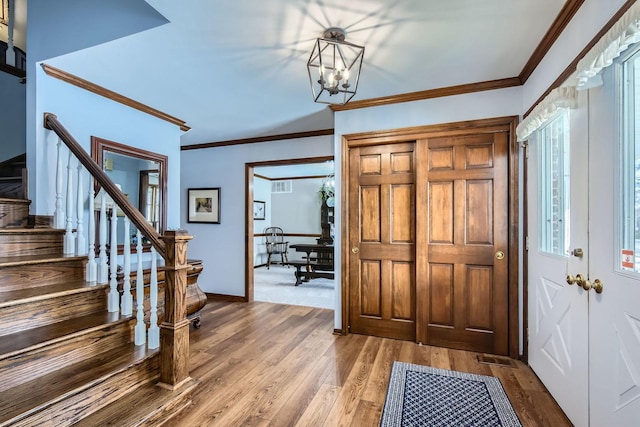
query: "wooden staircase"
13, 177
65, 360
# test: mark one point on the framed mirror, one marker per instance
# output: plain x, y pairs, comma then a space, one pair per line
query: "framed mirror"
140, 174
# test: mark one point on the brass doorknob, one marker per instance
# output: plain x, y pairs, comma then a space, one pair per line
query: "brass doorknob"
355, 249
596, 286
499, 255
578, 279
586, 284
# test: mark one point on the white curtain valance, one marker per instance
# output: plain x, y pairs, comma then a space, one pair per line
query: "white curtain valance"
561, 97
623, 34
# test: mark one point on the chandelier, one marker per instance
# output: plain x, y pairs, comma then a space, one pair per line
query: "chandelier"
334, 68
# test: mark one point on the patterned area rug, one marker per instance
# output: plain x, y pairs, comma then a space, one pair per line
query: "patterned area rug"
424, 396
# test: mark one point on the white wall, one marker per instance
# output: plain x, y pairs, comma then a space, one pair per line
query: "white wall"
261, 192
84, 115
221, 246
298, 211
13, 100
57, 28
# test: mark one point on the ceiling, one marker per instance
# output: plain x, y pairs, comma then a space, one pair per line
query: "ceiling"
237, 69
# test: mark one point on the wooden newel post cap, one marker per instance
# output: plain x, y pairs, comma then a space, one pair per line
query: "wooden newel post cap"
177, 235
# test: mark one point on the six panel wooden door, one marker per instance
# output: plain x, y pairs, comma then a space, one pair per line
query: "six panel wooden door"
426, 222
463, 195
382, 241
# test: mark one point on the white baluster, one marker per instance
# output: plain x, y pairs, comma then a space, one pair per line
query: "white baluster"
10, 56
114, 297
141, 327
92, 267
81, 243
154, 331
59, 213
127, 298
69, 240
103, 268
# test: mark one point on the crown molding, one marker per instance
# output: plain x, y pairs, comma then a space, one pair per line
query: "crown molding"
557, 27
307, 134
109, 94
429, 94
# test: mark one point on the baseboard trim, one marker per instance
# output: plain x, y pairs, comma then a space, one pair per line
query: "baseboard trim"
224, 298
337, 332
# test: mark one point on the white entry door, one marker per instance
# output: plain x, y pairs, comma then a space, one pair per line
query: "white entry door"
557, 189
614, 209
584, 342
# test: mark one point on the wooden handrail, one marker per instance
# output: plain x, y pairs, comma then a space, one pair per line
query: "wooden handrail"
51, 122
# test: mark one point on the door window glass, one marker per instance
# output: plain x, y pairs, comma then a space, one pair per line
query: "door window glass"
629, 179
553, 185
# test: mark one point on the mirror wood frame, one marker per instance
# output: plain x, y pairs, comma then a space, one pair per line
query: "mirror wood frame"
100, 145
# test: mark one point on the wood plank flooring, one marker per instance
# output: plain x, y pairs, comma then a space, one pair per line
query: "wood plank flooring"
264, 364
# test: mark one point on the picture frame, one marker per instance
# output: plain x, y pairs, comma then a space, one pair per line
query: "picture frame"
259, 209
203, 205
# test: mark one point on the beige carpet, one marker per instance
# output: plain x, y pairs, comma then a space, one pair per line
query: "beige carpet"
277, 285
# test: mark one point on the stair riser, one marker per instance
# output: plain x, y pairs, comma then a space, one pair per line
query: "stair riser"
11, 189
51, 310
24, 244
27, 366
68, 411
42, 274
168, 412
14, 213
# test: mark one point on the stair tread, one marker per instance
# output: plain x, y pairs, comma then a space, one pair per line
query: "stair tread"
25, 295
69, 380
23, 341
25, 230
9, 200
145, 402
37, 259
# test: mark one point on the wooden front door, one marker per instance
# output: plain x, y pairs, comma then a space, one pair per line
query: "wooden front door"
382, 241
428, 230
463, 301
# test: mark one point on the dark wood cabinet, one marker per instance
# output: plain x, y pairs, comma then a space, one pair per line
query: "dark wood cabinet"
326, 223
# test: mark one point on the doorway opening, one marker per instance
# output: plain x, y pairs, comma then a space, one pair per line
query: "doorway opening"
287, 197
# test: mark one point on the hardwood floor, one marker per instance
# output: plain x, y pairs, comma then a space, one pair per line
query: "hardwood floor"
264, 364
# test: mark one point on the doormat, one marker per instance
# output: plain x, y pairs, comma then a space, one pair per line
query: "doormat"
425, 396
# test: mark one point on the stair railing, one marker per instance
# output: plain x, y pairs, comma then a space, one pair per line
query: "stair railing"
172, 336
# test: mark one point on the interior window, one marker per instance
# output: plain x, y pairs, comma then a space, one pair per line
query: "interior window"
553, 185
630, 165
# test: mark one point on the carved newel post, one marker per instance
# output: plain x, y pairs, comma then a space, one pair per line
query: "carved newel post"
174, 331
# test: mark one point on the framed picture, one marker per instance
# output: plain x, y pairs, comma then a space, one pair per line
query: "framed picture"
259, 209
203, 205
